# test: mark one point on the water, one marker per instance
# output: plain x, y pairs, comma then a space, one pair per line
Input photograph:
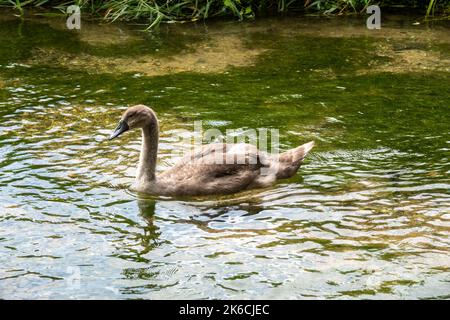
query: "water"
367, 216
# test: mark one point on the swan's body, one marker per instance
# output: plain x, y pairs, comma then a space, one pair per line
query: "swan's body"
217, 168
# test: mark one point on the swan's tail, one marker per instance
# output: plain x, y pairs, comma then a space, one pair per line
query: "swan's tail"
291, 160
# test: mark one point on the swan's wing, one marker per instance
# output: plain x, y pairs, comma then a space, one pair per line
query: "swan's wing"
226, 153
220, 159
234, 156
217, 168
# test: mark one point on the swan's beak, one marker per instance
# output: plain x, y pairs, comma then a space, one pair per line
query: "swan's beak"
121, 128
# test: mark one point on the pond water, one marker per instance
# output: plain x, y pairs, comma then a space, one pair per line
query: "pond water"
367, 215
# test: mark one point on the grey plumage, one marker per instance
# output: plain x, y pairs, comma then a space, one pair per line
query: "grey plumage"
217, 168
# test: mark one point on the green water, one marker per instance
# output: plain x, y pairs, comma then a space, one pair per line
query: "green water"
367, 216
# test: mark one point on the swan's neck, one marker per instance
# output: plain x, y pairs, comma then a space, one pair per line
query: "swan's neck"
147, 160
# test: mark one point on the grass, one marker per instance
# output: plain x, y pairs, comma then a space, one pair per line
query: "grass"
153, 12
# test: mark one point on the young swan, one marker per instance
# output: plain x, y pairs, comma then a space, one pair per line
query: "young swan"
217, 168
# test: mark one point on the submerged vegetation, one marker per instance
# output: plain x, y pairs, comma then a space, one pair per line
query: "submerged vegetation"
153, 12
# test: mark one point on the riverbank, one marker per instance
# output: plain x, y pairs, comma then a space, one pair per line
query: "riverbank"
152, 13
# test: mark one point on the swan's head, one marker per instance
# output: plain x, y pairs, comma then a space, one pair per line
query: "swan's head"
134, 117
